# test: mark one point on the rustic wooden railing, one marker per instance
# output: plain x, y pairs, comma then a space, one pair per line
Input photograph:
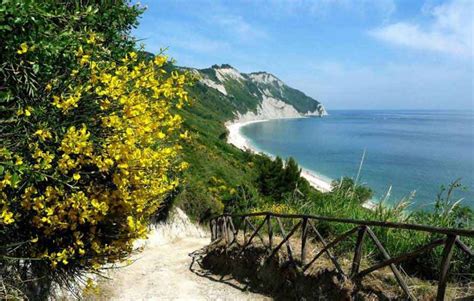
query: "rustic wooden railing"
224, 227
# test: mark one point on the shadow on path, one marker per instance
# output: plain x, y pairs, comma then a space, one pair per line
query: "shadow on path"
197, 268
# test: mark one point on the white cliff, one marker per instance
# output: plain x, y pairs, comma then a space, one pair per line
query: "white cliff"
268, 91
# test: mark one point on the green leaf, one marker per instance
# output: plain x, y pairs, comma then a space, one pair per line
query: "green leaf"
15, 179
35, 68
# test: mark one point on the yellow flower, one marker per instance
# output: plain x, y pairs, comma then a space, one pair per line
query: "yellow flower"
160, 60
184, 135
19, 160
76, 176
131, 222
28, 111
6, 216
84, 59
23, 48
184, 166
92, 38
43, 134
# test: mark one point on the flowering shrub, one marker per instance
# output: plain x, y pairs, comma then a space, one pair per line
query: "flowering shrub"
88, 153
75, 181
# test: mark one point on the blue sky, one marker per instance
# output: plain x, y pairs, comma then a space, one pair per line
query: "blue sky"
349, 54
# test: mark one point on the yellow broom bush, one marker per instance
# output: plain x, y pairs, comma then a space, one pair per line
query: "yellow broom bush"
88, 155
111, 177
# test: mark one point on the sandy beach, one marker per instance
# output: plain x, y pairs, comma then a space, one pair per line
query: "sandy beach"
237, 139
317, 181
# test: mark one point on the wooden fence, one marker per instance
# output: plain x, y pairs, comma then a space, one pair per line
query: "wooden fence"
224, 227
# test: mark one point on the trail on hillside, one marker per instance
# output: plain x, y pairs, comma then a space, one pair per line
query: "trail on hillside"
167, 269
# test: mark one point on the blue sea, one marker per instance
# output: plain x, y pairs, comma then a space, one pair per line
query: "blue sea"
408, 150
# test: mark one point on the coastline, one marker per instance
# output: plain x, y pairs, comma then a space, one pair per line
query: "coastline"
238, 140
319, 183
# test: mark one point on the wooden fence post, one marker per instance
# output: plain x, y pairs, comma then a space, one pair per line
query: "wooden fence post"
358, 251
219, 228
304, 235
444, 267
234, 231
245, 230
224, 228
230, 233
212, 225
270, 232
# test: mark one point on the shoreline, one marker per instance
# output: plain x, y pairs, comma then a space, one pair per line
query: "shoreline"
238, 140
319, 183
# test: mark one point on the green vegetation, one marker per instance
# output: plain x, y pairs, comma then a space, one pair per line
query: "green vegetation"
213, 162
223, 178
90, 143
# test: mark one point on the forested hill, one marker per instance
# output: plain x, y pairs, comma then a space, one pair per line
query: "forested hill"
257, 95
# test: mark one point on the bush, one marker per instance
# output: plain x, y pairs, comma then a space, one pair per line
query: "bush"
198, 203
90, 144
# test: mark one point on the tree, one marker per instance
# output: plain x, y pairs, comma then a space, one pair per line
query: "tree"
291, 175
277, 179
269, 178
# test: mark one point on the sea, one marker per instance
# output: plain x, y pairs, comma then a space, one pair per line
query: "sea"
409, 151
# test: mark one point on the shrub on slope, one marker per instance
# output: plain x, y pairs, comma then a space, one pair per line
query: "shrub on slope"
90, 139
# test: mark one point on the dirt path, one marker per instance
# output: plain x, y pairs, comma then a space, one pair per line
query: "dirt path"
166, 270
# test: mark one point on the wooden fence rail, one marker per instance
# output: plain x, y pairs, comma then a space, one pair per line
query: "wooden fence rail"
224, 227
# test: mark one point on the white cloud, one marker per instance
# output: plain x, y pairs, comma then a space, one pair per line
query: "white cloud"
450, 30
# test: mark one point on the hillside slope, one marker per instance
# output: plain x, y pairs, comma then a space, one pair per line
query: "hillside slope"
222, 177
